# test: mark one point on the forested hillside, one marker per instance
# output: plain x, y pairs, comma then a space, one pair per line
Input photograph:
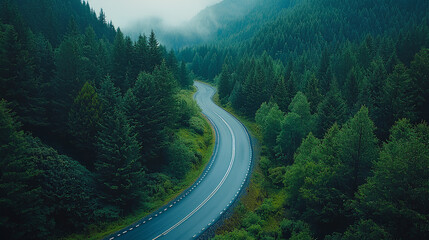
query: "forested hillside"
98, 129
229, 21
94, 127
339, 92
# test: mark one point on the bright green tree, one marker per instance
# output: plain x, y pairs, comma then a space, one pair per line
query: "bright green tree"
269, 117
295, 126
359, 150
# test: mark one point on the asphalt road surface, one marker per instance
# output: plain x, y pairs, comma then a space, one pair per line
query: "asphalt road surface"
200, 206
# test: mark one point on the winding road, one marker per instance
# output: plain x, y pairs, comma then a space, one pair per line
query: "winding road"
200, 206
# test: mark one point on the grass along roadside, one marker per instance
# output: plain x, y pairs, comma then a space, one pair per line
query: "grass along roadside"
201, 143
260, 192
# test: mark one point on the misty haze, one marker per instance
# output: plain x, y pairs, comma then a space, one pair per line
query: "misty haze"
214, 119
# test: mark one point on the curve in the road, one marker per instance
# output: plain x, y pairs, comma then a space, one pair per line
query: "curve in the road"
198, 207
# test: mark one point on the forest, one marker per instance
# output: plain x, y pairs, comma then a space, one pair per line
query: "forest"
96, 126
338, 91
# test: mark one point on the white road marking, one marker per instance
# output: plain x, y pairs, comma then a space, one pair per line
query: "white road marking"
214, 191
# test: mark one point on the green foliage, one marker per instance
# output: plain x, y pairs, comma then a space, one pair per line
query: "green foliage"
269, 117
358, 149
20, 83
331, 110
364, 229
180, 158
395, 196
224, 83
399, 95
420, 72
55, 57
118, 165
235, 235
154, 54
326, 174
109, 95
295, 126
84, 117
40, 189
295, 230
152, 106
313, 93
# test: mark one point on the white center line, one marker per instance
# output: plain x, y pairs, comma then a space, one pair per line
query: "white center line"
214, 191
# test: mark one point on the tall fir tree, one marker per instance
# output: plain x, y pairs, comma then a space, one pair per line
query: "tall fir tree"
359, 150
118, 165
313, 93
395, 197
281, 95
224, 88
155, 55
399, 98
331, 110
323, 72
184, 79
84, 118
420, 74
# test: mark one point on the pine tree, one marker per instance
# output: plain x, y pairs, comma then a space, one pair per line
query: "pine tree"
377, 79
22, 207
166, 89
155, 56
119, 62
118, 166
396, 196
143, 109
66, 83
110, 96
84, 117
18, 83
270, 117
281, 95
398, 97
352, 87
323, 73
359, 151
142, 55
312, 92
102, 17
224, 83
420, 73
295, 126
331, 110
184, 80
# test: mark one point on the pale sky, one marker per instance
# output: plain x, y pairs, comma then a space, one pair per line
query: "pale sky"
123, 13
